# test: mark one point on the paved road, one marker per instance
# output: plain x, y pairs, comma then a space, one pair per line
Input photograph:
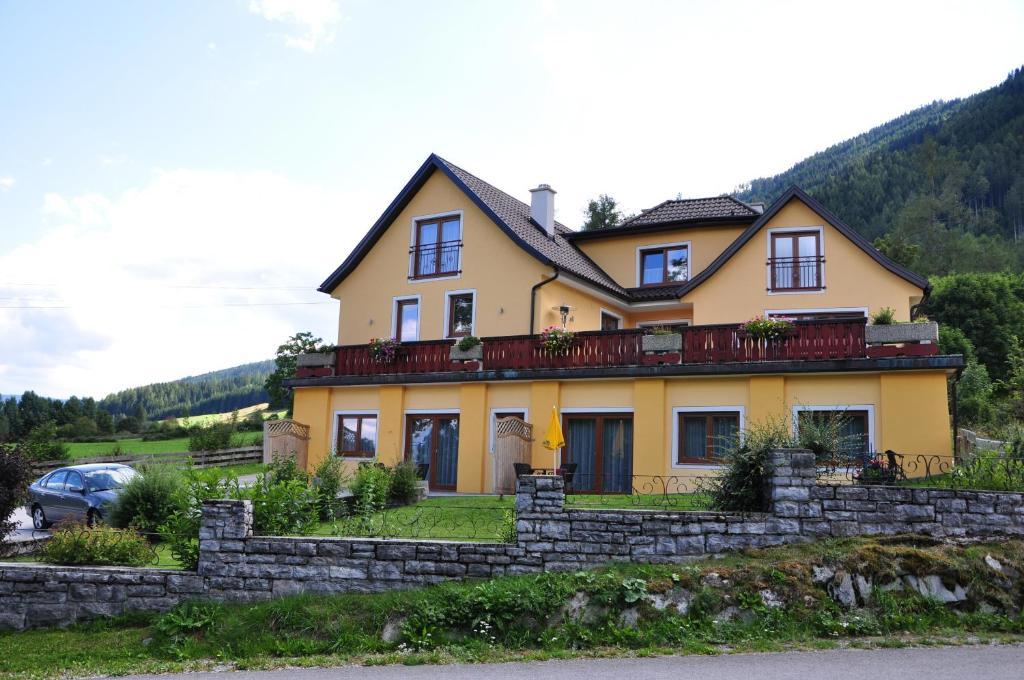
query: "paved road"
945, 663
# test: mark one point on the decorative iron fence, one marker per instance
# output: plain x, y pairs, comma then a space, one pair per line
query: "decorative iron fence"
982, 472
658, 492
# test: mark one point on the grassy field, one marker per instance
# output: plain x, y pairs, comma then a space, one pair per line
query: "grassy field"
208, 418
555, 615
136, 445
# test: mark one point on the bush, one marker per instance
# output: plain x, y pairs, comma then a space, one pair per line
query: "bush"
212, 437
885, 316
283, 470
283, 508
371, 488
328, 478
404, 483
15, 476
181, 528
101, 545
149, 499
742, 486
42, 443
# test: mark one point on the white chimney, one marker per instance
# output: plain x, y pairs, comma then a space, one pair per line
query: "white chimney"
542, 208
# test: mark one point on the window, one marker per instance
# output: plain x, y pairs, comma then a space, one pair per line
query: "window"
56, 480
407, 319
74, 481
705, 436
809, 314
460, 315
796, 261
436, 245
357, 436
664, 264
854, 429
610, 322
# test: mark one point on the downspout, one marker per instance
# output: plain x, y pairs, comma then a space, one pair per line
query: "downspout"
956, 409
533, 299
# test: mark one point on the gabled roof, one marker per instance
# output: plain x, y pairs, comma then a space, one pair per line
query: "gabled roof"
509, 213
693, 210
828, 216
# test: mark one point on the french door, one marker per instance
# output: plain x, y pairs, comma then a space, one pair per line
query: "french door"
601, 445
432, 444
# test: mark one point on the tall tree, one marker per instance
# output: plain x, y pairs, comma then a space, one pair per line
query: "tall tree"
602, 213
285, 363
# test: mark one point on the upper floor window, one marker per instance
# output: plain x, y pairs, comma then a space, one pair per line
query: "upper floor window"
436, 245
460, 314
407, 319
796, 260
610, 322
664, 264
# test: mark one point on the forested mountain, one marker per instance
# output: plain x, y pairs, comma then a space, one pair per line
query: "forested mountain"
216, 392
941, 188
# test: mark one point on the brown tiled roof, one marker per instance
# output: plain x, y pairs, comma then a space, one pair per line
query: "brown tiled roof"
516, 215
693, 210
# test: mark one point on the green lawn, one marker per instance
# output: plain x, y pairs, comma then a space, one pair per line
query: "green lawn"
93, 449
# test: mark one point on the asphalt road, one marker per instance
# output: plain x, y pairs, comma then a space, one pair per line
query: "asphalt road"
928, 663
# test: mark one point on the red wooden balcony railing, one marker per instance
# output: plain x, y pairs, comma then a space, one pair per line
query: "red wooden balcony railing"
718, 344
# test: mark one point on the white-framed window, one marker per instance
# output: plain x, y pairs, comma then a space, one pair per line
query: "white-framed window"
665, 323
661, 263
610, 321
355, 433
459, 313
405, 318
857, 430
700, 434
435, 247
504, 412
796, 260
818, 313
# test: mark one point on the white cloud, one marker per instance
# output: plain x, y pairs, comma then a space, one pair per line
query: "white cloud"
6, 182
317, 19
108, 160
177, 277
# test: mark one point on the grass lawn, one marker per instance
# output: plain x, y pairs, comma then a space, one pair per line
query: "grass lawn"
484, 518
164, 558
93, 449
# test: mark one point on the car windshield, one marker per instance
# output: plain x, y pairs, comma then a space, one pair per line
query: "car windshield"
102, 480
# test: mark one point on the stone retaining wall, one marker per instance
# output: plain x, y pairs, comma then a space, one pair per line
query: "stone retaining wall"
235, 565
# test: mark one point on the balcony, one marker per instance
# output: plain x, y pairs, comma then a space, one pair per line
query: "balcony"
795, 274
434, 260
816, 340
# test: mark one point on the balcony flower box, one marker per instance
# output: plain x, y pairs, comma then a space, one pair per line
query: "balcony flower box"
475, 353
315, 360
901, 333
666, 342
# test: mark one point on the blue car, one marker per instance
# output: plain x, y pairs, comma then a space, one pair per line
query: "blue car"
80, 493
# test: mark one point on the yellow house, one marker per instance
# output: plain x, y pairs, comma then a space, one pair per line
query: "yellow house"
453, 256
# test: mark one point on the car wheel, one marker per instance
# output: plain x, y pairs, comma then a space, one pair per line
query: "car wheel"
39, 519
93, 518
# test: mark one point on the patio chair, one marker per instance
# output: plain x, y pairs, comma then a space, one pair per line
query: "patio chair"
568, 471
422, 469
522, 469
895, 461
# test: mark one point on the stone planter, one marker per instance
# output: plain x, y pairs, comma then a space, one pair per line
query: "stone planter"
472, 354
899, 333
672, 342
315, 360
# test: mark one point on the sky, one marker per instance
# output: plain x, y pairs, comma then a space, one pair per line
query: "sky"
177, 177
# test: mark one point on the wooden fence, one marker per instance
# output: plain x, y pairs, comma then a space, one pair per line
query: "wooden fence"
200, 459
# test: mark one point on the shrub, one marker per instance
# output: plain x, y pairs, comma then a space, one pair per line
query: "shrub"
282, 470
15, 475
181, 528
404, 483
212, 437
371, 488
886, 316
741, 487
42, 443
469, 342
149, 499
556, 341
101, 545
328, 478
282, 508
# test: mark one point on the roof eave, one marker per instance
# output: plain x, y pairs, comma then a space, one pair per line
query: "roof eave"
656, 227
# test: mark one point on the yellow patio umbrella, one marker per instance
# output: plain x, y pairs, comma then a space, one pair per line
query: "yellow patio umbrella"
554, 439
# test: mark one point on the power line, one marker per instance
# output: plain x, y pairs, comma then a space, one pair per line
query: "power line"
169, 285
226, 304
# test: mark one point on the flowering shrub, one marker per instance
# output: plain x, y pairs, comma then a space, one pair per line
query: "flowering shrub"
384, 350
556, 340
875, 471
767, 329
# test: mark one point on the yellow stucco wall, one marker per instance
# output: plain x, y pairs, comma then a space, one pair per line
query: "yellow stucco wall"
852, 278
501, 272
910, 413
618, 255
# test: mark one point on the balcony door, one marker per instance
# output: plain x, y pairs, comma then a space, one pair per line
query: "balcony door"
432, 444
436, 250
796, 261
601, 445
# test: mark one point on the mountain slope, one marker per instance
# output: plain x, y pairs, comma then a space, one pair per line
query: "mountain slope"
947, 178
215, 392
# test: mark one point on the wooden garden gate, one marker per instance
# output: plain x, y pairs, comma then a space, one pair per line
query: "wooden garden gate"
512, 440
